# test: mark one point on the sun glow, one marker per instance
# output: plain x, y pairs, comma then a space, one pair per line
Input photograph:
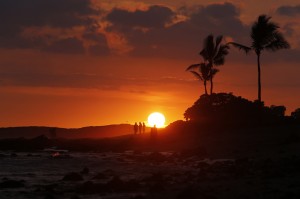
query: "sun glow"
156, 119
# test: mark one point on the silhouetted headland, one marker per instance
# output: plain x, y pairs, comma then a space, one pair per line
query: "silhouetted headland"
221, 146
219, 124
68, 133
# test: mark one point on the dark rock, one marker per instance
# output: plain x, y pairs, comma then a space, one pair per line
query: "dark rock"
156, 177
72, 177
13, 155
85, 171
138, 197
2, 155
49, 196
242, 161
115, 184
75, 197
86, 188
156, 157
189, 192
50, 187
109, 172
118, 185
100, 176
203, 165
90, 187
157, 188
199, 152
11, 184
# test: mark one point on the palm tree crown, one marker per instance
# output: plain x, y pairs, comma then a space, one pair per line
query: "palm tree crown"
205, 73
213, 54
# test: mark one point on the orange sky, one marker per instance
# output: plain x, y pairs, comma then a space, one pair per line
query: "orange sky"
113, 63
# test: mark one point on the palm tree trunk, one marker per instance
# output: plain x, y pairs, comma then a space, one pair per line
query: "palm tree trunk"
205, 87
211, 85
260, 108
259, 79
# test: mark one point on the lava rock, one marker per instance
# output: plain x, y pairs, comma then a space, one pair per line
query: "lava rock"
11, 184
72, 177
85, 171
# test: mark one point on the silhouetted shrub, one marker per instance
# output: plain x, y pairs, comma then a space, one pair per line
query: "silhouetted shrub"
225, 108
296, 115
278, 111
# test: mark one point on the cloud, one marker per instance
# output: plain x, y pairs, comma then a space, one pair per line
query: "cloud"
289, 10
99, 46
55, 13
181, 39
98, 50
219, 18
68, 45
59, 26
154, 17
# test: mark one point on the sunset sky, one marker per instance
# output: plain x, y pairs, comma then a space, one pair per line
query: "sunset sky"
75, 63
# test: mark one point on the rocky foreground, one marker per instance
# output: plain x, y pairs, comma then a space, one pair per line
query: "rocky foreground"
142, 175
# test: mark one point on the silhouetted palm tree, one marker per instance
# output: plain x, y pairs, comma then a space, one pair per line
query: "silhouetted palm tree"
265, 36
214, 53
205, 73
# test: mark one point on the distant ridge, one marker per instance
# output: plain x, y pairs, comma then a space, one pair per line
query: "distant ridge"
70, 133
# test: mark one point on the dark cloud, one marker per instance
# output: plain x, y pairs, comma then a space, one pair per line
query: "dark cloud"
99, 46
17, 41
289, 29
178, 40
219, 19
18, 16
68, 45
55, 13
99, 50
154, 17
289, 10
96, 37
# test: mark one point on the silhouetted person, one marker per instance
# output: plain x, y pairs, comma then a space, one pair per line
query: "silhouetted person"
140, 128
135, 128
144, 127
154, 132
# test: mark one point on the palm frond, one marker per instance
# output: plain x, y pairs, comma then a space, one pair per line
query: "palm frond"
197, 75
278, 43
220, 56
244, 48
193, 66
217, 45
208, 47
219, 40
213, 72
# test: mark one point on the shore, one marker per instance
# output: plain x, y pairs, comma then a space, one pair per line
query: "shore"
253, 163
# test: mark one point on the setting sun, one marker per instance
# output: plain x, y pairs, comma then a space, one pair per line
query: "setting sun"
157, 119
